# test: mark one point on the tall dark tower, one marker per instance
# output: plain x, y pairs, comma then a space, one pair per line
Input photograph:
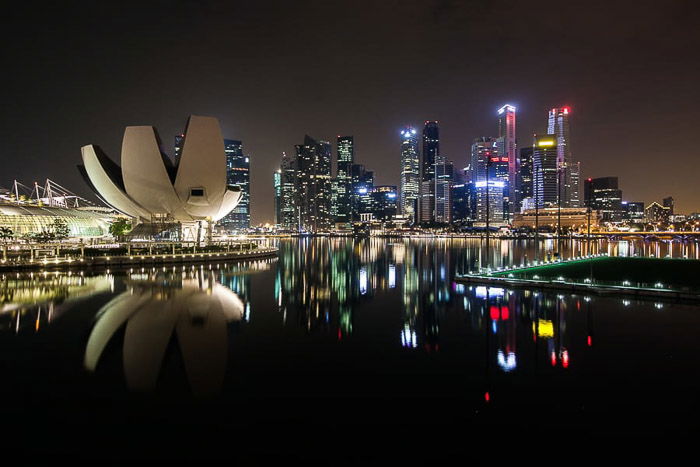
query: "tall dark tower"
314, 184
237, 173
431, 150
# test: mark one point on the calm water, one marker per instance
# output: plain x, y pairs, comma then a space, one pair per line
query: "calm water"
337, 351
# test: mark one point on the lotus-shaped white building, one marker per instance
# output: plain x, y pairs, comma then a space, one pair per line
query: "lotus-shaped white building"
151, 189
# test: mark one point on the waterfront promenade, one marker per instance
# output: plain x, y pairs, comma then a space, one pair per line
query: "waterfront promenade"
669, 278
69, 256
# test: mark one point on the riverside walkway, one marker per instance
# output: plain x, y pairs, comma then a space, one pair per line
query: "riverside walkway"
677, 279
109, 261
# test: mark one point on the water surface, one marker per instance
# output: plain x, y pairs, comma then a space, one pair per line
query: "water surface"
338, 351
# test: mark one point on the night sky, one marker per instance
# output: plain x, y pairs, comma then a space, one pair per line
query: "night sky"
76, 74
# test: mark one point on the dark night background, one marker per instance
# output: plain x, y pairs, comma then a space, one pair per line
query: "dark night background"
78, 73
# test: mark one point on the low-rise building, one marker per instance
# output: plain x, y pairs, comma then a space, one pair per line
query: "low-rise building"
571, 219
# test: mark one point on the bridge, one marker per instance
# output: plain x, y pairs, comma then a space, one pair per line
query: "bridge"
651, 235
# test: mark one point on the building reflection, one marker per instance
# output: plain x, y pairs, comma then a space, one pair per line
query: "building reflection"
322, 283
187, 314
520, 324
31, 301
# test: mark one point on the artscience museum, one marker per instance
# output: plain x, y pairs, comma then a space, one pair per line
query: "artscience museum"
182, 200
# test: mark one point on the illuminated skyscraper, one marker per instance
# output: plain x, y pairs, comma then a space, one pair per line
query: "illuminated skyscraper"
507, 150
362, 183
524, 176
547, 176
289, 215
431, 149
343, 181
605, 196
314, 184
410, 172
574, 184
482, 150
237, 173
444, 177
277, 184
558, 124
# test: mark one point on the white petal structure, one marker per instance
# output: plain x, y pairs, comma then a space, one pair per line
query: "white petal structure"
148, 186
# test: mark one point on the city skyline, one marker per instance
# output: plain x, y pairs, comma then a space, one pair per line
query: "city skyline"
630, 88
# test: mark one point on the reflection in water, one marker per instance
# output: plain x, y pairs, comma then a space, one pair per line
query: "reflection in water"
188, 312
321, 284
29, 301
399, 294
359, 333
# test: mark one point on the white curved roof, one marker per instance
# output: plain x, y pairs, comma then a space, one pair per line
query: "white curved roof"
147, 185
202, 164
107, 188
145, 175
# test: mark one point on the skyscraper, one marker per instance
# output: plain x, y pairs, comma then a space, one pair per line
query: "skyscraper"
547, 176
668, 203
482, 150
605, 196
362, 183
314, 184
237, 173
410, 173
383, 202
277, 185
633, 210
463, 202
289, 216
524, 177
507, 151
334, 199
574, 181
493, 191
179, 142
343, 185
444, 177
558, 125
431, 149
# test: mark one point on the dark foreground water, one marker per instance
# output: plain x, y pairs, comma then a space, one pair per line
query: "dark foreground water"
340, 351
